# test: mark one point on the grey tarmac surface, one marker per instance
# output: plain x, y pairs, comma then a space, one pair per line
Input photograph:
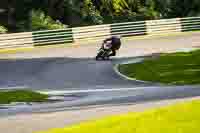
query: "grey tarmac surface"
62, 73
73, 68
107, 98
34, 122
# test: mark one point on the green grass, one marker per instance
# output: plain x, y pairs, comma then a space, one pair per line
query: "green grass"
181, 118
7, 97
177, 68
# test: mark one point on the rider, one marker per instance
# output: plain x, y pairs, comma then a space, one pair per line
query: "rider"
115, 43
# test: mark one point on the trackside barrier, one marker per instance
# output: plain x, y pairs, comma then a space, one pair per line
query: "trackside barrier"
48, 37
160, 26
16, 40
190, 24
99, 32
89, 33
129, 29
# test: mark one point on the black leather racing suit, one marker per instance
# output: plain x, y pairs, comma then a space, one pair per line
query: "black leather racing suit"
116, 44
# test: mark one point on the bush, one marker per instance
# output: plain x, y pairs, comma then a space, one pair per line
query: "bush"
42, 22
90, 14
3, 29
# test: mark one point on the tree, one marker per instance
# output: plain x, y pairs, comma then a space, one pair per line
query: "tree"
16, 15
72, 12
90, 14
42, 22
3, 29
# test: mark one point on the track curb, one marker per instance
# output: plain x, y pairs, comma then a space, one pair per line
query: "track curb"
116, 69
137, 60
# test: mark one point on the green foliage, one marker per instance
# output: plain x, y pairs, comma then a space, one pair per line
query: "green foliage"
22, 26
90, 14
178, 8
181, 8
149, 11
163, 7
42, 22
128, 10
3, 29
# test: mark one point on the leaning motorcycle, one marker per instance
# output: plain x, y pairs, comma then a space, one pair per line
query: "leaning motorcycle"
104, 52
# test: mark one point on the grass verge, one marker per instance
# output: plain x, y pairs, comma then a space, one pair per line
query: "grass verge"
180, 118
7, 97
176, 68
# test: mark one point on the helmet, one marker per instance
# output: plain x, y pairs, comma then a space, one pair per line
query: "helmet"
117, 36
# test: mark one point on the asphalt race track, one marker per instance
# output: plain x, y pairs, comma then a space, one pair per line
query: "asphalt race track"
58, 69
61, 73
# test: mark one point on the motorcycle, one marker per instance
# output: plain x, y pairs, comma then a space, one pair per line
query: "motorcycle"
104, 52
109, 48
